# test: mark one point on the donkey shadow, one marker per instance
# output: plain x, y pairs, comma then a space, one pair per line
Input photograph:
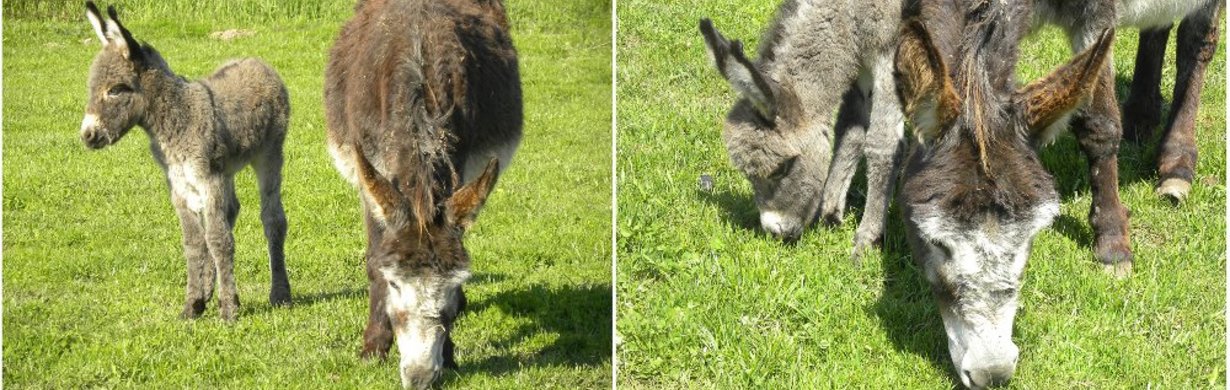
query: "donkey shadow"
298, 301
569, 312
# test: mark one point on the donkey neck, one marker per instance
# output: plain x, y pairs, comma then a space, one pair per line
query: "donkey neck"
168, 111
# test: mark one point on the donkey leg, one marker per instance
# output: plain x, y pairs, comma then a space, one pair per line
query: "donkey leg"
850, 130
1176, 161
221, 242
883, 147
1098, 131
1143, 110
273, 218
378, 337
200, 267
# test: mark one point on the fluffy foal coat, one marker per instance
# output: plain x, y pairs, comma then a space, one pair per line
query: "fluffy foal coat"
201, 133
814, 58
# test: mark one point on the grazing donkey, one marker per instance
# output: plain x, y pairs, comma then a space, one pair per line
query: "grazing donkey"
814, 57
201, 133
1197, 41
417, 92
974, 193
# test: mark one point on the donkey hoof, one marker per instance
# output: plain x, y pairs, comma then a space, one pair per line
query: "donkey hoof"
1120, 270
192, 310
831, 218
279, 299
1116, 260
229, 312
370, 353
1174, 189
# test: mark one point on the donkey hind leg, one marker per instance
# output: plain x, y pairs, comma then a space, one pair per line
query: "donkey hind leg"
1143, 110
378, 337
220, 209
850, 130
269, 179
883, 146
1176, 161
201, 269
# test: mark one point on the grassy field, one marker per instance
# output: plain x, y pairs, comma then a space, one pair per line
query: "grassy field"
93, 271
704, 301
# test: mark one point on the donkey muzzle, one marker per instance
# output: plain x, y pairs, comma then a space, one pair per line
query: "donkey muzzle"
91, 132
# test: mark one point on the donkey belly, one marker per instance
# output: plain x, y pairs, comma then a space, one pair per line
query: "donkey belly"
476, 160
1155, 13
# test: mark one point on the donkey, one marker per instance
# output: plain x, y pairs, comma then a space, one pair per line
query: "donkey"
423, 102
974, 192
1197, 41
814, 57
201, 133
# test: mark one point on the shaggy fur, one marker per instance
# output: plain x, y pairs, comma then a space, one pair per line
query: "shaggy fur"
422, 99
815, 57
974, 192
201, 133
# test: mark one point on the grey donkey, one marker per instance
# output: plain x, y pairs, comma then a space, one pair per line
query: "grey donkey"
815, 57
201, 133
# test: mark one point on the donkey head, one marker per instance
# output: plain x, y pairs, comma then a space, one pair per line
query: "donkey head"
768, 139
425, 264
117, 99
975, 194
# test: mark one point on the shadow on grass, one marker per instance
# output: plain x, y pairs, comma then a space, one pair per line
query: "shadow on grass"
906, 308
299, 301
740, 209
580, 317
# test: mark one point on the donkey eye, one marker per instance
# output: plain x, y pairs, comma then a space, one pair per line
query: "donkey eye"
783, 169
118, 89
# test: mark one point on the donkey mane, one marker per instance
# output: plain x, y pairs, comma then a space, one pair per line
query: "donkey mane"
983, 60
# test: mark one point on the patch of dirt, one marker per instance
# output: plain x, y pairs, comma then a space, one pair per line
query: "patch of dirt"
227, 35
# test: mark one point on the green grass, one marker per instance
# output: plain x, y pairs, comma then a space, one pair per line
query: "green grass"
93, 271
704, 301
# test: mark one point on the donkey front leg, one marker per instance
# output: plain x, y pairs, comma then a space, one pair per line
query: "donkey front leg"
1098, 131
882, 148
219, 213
1176, 160
850, 130
378, 337
200, 266
273, 218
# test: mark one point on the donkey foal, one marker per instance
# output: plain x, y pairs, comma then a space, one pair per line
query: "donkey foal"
814, 58
201, 133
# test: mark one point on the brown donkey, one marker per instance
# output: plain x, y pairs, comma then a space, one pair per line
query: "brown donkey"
423, 101
974, 193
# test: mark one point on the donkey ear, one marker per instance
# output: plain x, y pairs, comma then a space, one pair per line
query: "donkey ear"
389, 205
96, 19
118, 35
729, 59
1049, 99
923, 83
464, 204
